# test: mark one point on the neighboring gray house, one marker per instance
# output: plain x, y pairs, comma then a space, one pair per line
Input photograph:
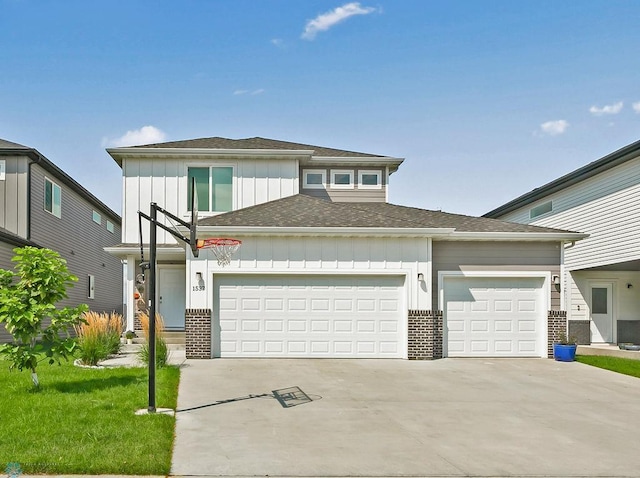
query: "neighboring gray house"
327, 267
601, 274
41, 205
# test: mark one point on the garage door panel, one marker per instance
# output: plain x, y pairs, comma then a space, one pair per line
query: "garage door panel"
493, 316
309, 316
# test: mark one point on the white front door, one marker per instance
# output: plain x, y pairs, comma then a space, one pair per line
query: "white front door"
309, 316
171, 296
601, 312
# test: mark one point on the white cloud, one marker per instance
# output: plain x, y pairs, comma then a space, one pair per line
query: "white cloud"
554, 128
144, 135
258, 91
636, 106
613, 109
327, 20
277, 42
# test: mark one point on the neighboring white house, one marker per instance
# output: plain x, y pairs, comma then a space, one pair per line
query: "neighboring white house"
601, 284
327, 267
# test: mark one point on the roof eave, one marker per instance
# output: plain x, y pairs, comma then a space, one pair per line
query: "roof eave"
212, 231
518, 236
393, 163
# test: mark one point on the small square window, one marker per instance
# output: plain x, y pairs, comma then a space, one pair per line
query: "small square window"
541, 209
97, 218
91, 292
341, 179
110, 227
314, 179
370, 179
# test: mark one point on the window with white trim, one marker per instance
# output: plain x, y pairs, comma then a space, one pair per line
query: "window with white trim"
91, 292
214, 188
341, 179
3, 168
97, 218
110, 227
540, 209
369, 179
314, 179
52, 198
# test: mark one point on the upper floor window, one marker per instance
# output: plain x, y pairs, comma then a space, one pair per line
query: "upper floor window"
314, 178
540, 209
369, 179
110, 226
97, 218
3, 166
91, 286
52, 198
341, 179
214, 188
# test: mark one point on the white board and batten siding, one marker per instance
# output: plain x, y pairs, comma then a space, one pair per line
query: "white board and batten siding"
164, 181
606, 206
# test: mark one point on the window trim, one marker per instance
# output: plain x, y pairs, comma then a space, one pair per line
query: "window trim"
95, 214
3, 169
376, 172
209, 166
307, 172
335, 172
534, 211
112, 230
53, 203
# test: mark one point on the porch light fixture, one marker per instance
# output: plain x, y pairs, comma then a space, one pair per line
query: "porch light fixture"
420, 276
555, 279
629, 286
199, 276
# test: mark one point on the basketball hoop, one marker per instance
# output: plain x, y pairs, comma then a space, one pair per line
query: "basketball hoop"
222, 247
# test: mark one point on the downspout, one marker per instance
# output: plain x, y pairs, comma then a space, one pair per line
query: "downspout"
29, 164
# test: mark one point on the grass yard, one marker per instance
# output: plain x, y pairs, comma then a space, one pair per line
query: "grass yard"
81, 421
615, 364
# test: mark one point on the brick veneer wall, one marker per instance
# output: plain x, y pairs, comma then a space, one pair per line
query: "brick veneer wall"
425, 335
198, 333
557, 326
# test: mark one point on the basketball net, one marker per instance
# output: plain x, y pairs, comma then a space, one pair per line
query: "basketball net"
223, 248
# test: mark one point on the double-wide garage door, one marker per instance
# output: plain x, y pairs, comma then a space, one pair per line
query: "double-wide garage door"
494, 317
309, 316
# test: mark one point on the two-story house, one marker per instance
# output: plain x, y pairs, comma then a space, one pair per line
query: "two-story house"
327, 267
601, 274
42, 206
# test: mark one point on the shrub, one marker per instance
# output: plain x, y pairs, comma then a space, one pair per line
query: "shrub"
162, 351
98, 336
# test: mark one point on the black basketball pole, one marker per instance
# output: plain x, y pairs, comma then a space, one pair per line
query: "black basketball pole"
152, 308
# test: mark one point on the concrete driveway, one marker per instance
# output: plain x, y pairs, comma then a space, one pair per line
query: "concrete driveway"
451, 417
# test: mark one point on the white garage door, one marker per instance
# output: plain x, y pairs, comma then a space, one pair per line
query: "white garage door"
494, 317
308, 316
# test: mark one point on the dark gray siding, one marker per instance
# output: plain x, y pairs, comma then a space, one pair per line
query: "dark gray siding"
347, 195
492, 256
79, 240
13, 195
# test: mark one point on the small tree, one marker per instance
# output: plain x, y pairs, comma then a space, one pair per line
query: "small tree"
28, 297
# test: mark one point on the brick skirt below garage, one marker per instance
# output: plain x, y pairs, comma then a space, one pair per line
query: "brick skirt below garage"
557, 326
198, 333
425, 334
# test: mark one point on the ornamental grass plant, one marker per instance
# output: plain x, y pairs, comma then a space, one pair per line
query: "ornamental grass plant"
98, 336
162, 351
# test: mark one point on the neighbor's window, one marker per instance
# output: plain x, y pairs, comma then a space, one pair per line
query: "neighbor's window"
110, 227
97, 218
214, 188
91, 292
540, 210
52, 198
369, 179
341, 179
314, 178
3, 168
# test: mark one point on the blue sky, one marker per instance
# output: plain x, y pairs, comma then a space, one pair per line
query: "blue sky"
486, 100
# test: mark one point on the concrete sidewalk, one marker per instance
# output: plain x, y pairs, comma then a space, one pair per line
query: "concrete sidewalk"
474, 417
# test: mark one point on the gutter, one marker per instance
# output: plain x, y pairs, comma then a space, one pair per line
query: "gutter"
212, 231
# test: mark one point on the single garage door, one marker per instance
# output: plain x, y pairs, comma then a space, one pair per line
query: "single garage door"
494, 317
308, 316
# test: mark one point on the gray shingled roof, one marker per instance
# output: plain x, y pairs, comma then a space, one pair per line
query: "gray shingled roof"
257, 143
306, 211
4, 144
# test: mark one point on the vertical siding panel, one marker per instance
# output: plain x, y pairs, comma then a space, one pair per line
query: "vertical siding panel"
313, 256
132, 200
145, 194
248, 183
261, 182
274, 184
345, 253
329, 253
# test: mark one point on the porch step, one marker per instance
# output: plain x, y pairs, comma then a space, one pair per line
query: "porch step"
610, 350
174, 338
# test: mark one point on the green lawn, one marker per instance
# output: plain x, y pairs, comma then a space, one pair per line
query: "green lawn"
620, 365
81, 421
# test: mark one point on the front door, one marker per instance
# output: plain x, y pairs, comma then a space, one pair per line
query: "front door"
602, 312
171, 296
